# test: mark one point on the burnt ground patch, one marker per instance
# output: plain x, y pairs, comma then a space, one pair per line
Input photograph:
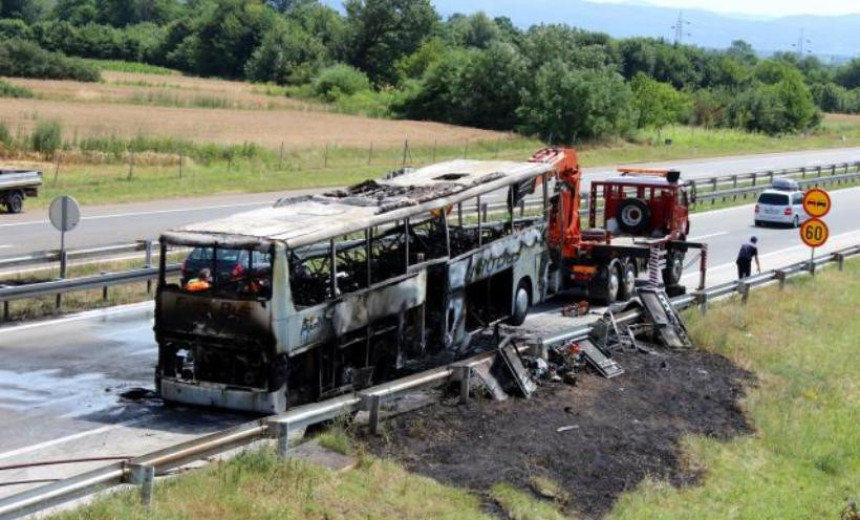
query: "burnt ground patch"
619, 431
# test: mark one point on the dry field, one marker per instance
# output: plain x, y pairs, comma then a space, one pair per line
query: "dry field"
108, 109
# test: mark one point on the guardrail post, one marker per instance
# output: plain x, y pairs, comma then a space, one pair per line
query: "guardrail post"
819, 171
5, 311
770, 176
812, 267
465, 375
104, 289
744, 289
281, 432
702, 301
144, 476
781, 276
846, 168
833, 170
372, 404
840, 260
148, 263
803, 173
754, 175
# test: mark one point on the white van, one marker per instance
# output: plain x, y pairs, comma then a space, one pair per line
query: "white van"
781, 205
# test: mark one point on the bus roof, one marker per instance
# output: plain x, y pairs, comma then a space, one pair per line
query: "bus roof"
299, 221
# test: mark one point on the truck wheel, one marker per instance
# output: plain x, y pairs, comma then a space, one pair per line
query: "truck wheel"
633, 216
15, 202
628, 281
674, 269
609, 288
522, 300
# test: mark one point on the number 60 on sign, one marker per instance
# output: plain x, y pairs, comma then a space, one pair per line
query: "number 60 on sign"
814, 232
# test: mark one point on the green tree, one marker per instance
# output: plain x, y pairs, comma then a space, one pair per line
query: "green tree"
76, 12
30, 11
477, 30
416, 64
287, 55
742, 51
580, 49
383, 31
657, 104
224, 35
340, 80
848, 75
565, 104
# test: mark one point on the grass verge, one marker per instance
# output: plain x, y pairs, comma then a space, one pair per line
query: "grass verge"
258, 485
804, 461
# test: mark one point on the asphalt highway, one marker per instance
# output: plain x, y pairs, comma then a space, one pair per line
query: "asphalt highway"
62, 381
103, 225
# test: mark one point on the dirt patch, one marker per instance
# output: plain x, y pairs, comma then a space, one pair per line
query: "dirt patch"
614, 432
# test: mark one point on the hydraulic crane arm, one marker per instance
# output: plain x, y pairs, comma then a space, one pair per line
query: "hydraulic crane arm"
565, 234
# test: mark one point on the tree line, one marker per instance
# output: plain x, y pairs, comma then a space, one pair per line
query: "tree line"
555, 81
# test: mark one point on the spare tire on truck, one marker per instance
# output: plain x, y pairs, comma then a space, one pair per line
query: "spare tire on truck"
633, 216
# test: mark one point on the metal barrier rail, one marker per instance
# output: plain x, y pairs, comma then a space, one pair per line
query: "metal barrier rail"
142, 470
46, 257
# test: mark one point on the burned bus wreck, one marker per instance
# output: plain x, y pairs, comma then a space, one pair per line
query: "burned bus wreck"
325, 294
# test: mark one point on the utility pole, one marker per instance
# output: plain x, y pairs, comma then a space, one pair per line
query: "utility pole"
679, 28
799, 46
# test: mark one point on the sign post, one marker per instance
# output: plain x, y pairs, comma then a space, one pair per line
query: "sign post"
65, 215
814, 232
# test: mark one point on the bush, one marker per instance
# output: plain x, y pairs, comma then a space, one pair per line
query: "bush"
26, 59
14, 91
5, 135
338, 80
47, 137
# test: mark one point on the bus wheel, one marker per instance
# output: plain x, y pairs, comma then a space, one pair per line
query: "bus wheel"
628, 281
522, 300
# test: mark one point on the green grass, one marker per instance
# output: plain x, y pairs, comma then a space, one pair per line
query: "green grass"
258, 485
520, 505
127, 66
804, 460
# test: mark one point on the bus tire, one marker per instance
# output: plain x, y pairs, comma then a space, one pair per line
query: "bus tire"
628, 280
15, 202
521, 304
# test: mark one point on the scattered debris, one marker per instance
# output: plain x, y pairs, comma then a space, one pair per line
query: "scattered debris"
567, 428
668, 326
137, 394
575, 309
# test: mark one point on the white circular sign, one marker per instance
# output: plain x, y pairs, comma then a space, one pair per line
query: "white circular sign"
65, 213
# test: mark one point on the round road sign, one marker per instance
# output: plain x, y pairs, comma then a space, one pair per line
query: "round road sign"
814, 232
65, 213
816, 202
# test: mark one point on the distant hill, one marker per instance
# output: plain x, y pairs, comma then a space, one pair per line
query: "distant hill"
831, 36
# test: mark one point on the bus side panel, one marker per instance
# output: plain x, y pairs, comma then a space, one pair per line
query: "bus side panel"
202, 316
354, 311
522, 252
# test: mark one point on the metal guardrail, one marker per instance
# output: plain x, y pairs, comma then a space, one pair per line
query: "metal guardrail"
46, 257
142, 470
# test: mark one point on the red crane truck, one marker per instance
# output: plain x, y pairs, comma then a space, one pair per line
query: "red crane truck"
643, 224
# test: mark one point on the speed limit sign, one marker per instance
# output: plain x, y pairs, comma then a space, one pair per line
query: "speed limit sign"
814, 232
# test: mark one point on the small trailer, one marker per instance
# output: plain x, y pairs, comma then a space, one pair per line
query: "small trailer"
16, 185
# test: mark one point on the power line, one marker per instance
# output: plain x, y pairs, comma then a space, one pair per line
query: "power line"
799, 46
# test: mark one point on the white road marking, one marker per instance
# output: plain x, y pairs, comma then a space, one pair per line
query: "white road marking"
68, 438
712, 235
79, 317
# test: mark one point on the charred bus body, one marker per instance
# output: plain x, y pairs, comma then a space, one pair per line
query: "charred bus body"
333, 292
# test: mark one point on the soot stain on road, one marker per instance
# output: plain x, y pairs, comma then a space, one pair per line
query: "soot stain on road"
619, 431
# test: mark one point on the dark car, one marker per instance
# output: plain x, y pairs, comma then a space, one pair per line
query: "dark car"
230, 265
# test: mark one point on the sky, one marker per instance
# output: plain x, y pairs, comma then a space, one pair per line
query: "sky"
759, 8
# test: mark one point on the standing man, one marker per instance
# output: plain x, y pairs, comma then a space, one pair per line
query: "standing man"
748, 252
